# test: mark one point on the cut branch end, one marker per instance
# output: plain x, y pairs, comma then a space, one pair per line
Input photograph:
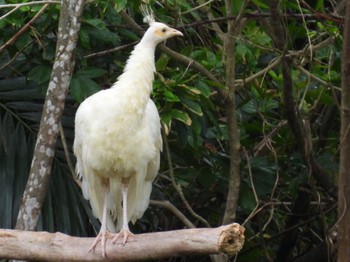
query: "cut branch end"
231, 239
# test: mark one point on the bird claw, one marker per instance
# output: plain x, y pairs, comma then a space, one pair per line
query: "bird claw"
126, 234
101, 237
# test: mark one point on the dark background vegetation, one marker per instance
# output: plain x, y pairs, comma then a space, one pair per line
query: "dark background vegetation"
287, 104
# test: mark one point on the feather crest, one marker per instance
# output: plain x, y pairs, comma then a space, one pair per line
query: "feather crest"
148, 15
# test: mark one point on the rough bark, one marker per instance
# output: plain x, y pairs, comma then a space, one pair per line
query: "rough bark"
36, 188
41, 246
344, 171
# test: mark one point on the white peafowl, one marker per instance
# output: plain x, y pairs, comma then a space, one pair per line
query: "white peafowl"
118, 141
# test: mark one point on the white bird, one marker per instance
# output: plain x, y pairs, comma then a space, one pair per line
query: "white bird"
118, 140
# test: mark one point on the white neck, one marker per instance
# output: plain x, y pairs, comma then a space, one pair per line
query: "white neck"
141, 58
137, 79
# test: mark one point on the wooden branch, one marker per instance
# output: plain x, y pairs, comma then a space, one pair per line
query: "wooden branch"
233, 30
24, 245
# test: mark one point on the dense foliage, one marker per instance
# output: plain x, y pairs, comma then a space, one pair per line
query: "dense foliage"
280, 199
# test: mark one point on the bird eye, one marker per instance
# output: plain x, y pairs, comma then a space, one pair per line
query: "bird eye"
164, 30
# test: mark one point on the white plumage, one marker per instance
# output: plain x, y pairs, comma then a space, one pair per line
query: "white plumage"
118, 141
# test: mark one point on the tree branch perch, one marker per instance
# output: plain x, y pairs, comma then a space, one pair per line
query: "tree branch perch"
15, 244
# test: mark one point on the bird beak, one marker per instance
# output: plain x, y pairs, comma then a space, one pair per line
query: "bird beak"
175, 32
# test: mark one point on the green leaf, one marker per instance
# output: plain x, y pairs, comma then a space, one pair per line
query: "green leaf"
215, 84
246, 199
40, 74
196, 124
170, 97
23, 40
190, 89
260, 4
192, 106
250, 107
82, 87
206, 179
166, 120
204, 88
162, 62
120, 5
270, 105
97, 23
91, 72
181, 116
84, 38
104, 35
242, 50
168, 116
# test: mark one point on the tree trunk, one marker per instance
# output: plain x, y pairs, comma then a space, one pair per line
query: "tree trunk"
36, 188
344, 170
60, 247
233, 29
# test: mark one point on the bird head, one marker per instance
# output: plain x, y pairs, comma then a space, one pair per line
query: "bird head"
160, 32
157, 32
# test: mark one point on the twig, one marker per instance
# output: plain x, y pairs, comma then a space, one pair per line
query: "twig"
198, 7
16, 116
264, 141
178, 187
30, 3
276, 61
272, 238
253, 188
310, 49
17, 6
269, 146
316, 78
338, 20
241, 82
215, 26
110, 50
15, 56
23, 29
168, 205
66, 152
9, 13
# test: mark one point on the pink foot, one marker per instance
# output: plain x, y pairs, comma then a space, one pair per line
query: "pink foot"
102, 236
123, 232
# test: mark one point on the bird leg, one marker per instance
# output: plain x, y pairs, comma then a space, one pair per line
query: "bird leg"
103, 234
125, 232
